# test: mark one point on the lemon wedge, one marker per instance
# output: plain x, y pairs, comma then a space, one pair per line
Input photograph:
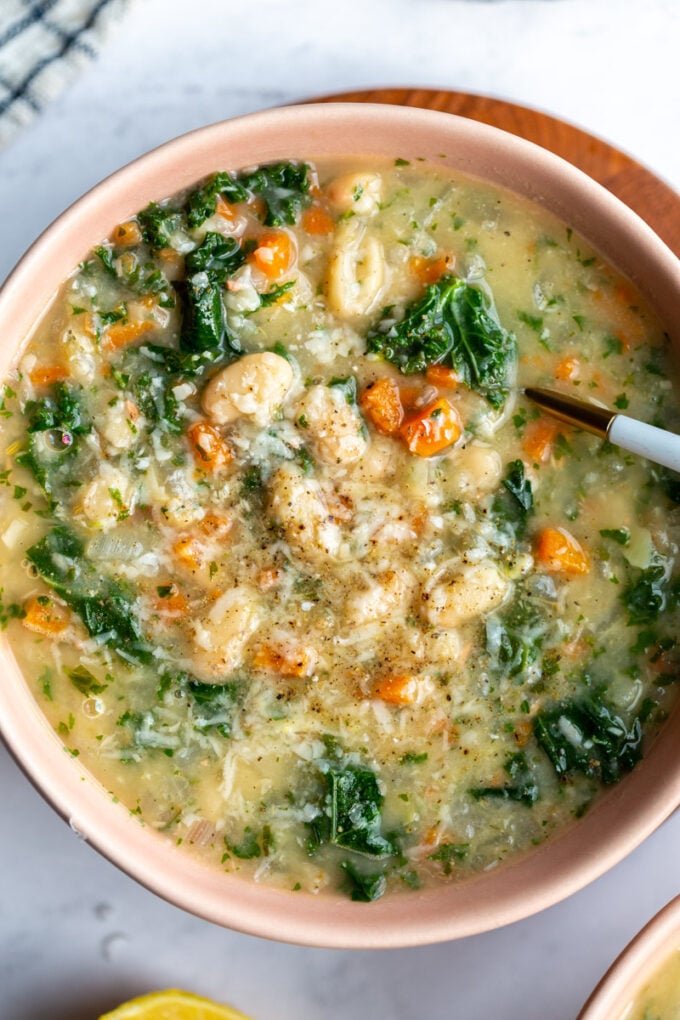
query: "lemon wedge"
173, 1005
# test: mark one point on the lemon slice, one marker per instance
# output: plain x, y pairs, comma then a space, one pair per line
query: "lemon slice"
173, 1005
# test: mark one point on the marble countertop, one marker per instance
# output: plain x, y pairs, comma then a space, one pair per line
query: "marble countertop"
76, 935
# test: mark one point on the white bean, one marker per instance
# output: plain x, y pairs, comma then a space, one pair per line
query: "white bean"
335, 425
356, 271
477, 469
384, 596
107, 497
252, 387
298, 503
221, 636
457, 595
360, 193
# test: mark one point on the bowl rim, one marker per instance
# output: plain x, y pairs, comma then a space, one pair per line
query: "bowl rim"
641, 958
528, 882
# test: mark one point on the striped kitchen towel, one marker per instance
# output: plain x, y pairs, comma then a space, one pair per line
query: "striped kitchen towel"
43, 43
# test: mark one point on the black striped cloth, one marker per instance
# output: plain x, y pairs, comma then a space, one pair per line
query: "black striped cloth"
43, 43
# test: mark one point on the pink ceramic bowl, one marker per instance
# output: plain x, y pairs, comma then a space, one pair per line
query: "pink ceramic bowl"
622, 818
639, 962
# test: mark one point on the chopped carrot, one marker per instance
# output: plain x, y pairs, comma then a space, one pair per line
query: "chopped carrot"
523, 731
568, 369
287, 659
215, 525
188, 551
274, 254
170, 598
420, 520
89, 326
557, 550
46, 375
539, 439
433, 429
120, 334
430, 270
44, 616
440, 375
381, 403
397, 689
210, 450
127, 234
340, 508
268, 578
223, 209
316, 220
410, 395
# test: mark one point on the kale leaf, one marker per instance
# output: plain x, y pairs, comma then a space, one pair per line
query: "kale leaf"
452, 324
350, 815
55, 424
588, 735
513, 504
202, 202
62, 410
159, 223
284, 188
213, 705
514, 637
217, 256
362, 887
523, 788
155, 399
647, 595
204, 319
103, 604
449, 853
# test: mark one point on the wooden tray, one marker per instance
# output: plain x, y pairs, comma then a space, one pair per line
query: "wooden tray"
633, 183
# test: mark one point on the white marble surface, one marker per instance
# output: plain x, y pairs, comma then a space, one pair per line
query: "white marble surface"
76, 936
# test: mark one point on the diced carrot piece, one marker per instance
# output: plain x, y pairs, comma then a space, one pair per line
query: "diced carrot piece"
89, 326
286, 659
397, 689
340, 508
381, 403
188, 551
127, 234
433, 429
440, 375
210, 450
170, 598
539, 438
274, 254
557, 550
523, 731
46, 375
410, 395
120, 334
223, 209
316, 220
430, 270
268, 578
215, 525
568, 368
44, 616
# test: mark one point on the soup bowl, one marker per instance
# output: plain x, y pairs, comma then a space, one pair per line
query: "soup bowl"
642, 958
527, 883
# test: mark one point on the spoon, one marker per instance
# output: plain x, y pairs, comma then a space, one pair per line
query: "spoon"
648, 441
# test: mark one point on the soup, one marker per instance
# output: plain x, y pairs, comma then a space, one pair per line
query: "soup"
660, 997
289, 561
